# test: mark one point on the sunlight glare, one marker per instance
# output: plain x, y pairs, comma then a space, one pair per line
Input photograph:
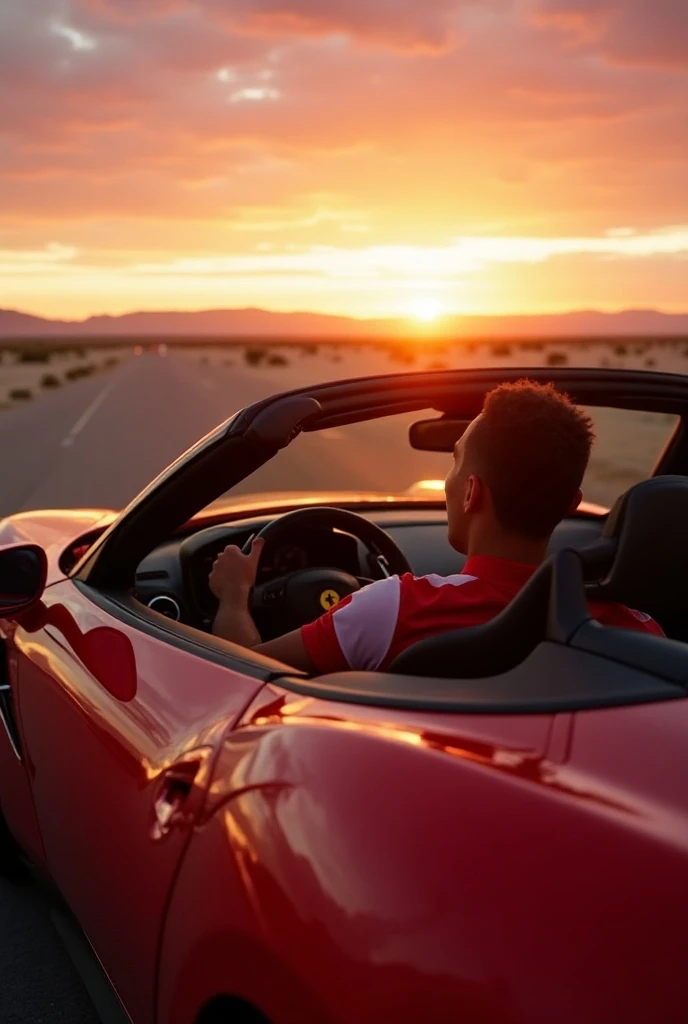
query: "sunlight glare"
425, 308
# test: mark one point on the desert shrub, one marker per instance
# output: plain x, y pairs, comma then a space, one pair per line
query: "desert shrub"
33, 356
437, 365
276, 359
685, 353
501, 351
309, 349
557, 359
254, 356
405, 356
20, 394
229, 362
80, 371
49, 380
111, 361
620, 350
650, 362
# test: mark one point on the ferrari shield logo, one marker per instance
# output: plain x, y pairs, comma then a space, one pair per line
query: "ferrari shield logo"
329, 598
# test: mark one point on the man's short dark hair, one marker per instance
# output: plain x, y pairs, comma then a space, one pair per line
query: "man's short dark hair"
531, 447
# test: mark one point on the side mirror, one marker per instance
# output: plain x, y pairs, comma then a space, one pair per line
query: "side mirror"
439, 435
23, 570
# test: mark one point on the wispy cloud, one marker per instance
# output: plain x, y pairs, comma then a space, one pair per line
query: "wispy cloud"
463, 256
51, 258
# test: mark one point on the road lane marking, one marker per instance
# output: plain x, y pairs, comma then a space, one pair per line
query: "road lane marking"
86, 416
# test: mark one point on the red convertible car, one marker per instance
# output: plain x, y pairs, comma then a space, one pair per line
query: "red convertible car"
495, 831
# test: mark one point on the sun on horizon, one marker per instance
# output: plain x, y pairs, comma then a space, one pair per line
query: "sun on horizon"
426, 308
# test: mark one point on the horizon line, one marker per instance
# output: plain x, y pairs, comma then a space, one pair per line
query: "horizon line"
391, 319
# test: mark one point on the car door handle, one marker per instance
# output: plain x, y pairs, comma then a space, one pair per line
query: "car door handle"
174, 805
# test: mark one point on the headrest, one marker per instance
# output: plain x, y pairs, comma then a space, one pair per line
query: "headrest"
648, 525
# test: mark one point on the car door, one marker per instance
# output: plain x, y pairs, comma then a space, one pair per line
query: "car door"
119, 726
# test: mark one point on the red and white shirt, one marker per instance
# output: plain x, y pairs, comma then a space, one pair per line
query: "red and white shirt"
369, 628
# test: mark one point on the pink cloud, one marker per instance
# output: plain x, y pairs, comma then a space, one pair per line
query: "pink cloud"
628, 31
403, 23
129, 11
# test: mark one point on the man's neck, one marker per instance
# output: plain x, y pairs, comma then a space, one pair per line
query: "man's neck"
509, 547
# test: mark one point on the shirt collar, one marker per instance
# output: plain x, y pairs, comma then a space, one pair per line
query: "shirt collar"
498, 570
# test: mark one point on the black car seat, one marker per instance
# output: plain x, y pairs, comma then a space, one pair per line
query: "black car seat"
649, 572
497, 646
640, 560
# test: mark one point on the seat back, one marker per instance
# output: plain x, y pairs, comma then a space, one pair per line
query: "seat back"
491, 648
649, 528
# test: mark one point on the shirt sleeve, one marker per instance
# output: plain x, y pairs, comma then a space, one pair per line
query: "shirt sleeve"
357, 633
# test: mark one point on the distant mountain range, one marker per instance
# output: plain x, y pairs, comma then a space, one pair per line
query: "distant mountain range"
260, 323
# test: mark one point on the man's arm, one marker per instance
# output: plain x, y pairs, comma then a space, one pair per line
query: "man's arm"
234, 622
233, 574
289, 649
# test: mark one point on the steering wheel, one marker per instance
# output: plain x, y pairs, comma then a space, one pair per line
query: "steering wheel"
305, 594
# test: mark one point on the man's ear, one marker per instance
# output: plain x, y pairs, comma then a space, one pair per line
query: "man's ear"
576, 501
474, 494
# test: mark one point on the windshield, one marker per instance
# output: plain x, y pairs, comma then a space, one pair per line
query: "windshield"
375, 456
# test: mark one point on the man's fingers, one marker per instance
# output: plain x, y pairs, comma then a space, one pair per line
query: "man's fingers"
257, 545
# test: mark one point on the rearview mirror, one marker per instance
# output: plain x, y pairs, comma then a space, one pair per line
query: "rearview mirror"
439, 435
23, 569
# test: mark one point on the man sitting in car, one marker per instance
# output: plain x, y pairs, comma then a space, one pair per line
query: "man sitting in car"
517, 472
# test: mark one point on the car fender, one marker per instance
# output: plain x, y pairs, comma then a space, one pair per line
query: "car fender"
396, 875
323, 868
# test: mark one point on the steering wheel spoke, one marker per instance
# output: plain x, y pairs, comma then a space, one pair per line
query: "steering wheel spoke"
271, 594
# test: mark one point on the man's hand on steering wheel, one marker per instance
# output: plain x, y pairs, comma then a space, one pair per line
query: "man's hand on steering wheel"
231, 579
234, 573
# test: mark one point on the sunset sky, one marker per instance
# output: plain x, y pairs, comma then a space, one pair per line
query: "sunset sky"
367, 157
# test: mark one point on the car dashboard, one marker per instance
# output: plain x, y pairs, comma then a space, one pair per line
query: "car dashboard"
177, 587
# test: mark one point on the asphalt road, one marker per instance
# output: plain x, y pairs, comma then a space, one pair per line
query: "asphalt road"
38, 982
98, 441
